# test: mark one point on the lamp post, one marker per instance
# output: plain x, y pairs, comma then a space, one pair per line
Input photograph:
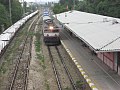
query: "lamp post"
10, 12
23, 8
73, 4
31, 6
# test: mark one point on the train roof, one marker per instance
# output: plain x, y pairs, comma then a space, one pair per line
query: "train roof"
101, 33
5, 37
45, 13
46, 17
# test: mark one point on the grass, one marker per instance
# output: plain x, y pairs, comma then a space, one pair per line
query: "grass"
67, 88
47, 85
80, 84
40, 56
31, 33
38, 46
39, 50
3, 69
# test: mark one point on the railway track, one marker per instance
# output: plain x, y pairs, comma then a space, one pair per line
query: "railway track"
20, 73
56, 69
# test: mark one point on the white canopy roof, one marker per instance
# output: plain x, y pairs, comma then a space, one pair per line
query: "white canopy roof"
101, 33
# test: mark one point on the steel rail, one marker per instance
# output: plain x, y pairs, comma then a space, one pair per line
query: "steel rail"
54, 69
20, 56
66, 69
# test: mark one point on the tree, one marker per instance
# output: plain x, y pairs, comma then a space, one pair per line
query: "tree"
65, 5
4, 19
103, 7
5, 13
16, 11
59, 9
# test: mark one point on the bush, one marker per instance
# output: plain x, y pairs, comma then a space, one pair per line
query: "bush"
4, 19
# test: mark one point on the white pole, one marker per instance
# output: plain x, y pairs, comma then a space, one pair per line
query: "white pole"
10, 12
23, 8
73, 4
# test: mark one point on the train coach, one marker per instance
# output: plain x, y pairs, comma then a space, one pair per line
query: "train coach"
50, 31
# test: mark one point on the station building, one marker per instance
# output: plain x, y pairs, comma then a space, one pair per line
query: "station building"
100, 33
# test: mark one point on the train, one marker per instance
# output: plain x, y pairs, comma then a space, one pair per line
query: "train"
50, 30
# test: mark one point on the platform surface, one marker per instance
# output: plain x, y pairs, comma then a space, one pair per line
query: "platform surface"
102, 76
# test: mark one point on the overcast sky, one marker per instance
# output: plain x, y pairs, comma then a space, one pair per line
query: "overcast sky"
41, 0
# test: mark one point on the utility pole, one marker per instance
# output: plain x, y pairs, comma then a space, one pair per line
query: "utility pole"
2, 27
23, 8
10, 12
31, 6
73, 4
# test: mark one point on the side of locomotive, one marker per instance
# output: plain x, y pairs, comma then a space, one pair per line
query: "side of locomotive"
50, 31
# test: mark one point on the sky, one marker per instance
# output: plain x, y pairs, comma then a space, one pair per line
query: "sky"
41, 0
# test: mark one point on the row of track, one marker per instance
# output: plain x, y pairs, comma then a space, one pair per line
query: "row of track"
55, 56
20, 73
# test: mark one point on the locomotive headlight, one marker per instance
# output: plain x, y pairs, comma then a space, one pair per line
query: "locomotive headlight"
51, 27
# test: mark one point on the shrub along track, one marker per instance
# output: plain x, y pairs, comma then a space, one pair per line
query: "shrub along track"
14, 68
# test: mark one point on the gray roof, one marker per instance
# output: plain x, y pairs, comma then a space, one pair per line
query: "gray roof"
101, 33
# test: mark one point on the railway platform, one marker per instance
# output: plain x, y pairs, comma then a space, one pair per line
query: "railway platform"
101, 75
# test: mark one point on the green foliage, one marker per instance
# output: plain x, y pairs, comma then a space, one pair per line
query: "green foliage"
80, 84
16, 11
58, 9
5, 13
64, 5
67, 88
5, 3
103, 7
3, 69
39, 50
3, 17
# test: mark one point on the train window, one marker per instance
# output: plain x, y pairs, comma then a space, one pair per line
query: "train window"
50, 31
47, 31
49, 21
55, 30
